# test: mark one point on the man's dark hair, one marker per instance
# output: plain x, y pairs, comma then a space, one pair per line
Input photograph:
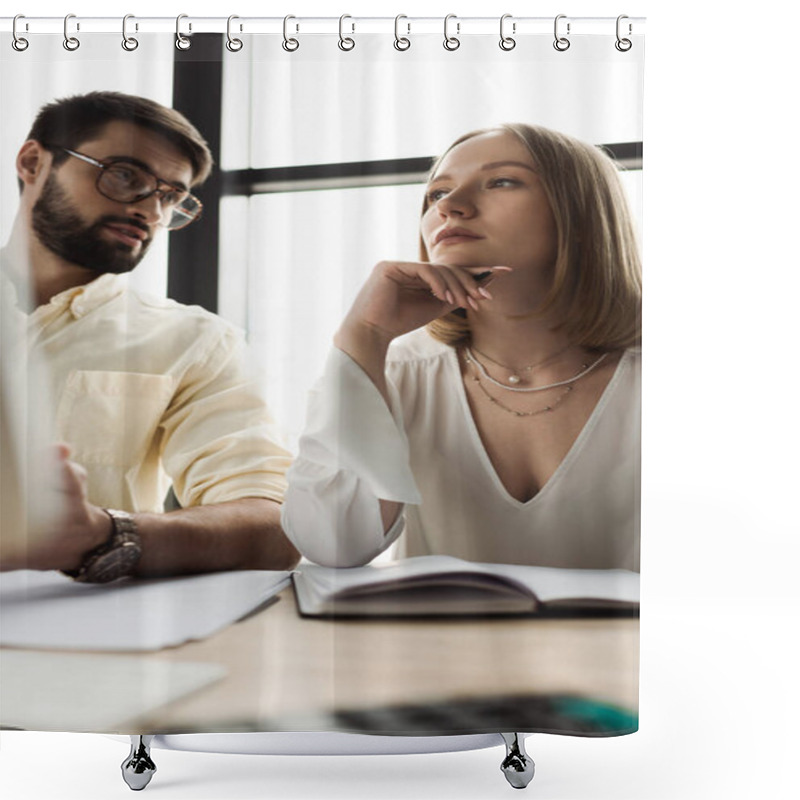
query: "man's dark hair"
73, 120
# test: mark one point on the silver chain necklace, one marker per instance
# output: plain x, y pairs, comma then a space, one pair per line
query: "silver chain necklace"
496, 401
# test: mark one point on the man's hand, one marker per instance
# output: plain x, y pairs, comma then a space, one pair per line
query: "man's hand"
238, 534
80, 528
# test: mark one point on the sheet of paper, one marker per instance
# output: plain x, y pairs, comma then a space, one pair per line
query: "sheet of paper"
49, 610
88, 692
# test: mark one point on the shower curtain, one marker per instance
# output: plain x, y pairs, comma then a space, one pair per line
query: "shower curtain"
323, 133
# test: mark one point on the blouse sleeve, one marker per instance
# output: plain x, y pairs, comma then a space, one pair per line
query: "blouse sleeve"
353, 453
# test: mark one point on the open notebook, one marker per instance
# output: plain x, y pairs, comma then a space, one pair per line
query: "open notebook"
442, 585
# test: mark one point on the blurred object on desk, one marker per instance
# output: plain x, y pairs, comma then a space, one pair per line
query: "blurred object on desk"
80, 692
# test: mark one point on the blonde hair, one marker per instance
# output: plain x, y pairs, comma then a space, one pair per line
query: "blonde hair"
597, 285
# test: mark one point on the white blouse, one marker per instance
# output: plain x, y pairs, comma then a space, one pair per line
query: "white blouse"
426, 453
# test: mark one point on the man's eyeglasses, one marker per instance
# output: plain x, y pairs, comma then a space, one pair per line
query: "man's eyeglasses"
125, 181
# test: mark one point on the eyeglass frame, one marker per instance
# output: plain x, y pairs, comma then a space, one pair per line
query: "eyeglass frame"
103, 165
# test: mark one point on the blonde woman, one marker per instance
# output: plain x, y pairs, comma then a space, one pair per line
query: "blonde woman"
506, 426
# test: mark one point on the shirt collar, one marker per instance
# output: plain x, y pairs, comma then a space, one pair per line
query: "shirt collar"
79, 299
83, 299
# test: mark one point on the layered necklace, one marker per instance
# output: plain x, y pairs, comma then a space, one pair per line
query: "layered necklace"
514, 378
479, 371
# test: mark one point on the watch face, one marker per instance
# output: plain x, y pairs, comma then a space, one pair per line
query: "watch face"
117, 563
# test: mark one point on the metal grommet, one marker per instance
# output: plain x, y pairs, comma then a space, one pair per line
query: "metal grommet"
451, 42
128, 42
233, 44
506, 42
345, 42
289, 44
623, 45
401, 43
181, 42
561, 43
19, 43
71, 43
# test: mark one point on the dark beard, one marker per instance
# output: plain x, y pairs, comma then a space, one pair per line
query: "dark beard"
59, 228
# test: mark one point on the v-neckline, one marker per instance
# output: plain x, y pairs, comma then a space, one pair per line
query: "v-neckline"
571, 454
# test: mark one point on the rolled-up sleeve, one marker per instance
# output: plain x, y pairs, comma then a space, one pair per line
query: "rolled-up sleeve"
219, 440
353, 453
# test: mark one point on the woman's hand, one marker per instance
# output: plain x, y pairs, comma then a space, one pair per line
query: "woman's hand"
401, 296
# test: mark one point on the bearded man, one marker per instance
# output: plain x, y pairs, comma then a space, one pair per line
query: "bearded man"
146, 391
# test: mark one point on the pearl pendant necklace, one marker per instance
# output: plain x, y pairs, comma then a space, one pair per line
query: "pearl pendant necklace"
515, 378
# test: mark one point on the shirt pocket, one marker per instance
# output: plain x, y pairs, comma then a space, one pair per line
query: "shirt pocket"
112, 418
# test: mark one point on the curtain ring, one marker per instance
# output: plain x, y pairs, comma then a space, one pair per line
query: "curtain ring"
345, 42
561, 43
451, 42
506, 42
181, 42
623, 45
233, 44
18, 42
128, 42
401, 42
71, 43
289, 44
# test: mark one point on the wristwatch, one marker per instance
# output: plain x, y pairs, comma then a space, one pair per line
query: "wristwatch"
117, 557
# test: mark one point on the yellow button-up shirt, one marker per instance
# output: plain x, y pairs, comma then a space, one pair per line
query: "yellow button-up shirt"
148, 391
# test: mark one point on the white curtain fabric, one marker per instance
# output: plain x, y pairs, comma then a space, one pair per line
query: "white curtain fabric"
290, 262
